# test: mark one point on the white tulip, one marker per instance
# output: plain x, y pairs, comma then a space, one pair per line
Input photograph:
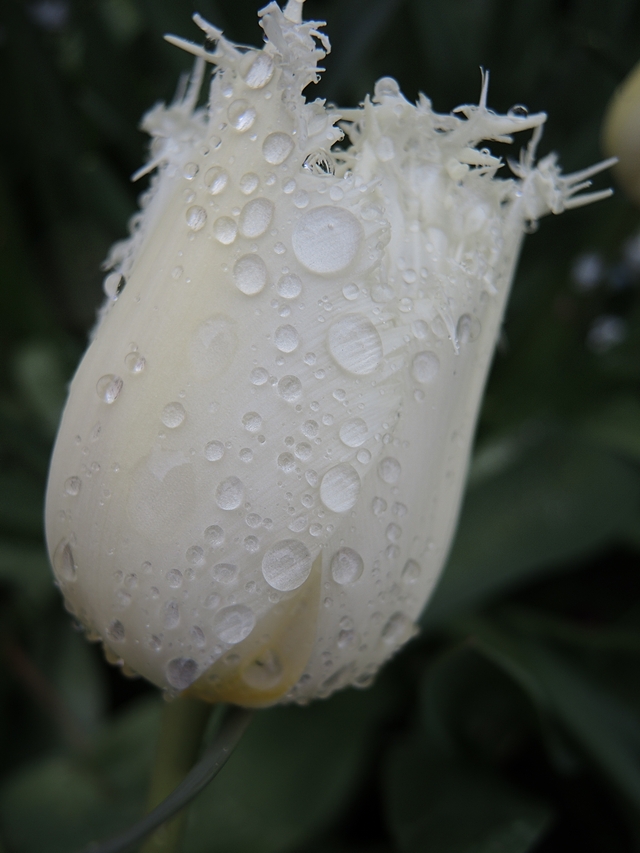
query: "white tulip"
260, 464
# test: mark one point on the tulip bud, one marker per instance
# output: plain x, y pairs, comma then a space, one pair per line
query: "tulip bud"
260, 463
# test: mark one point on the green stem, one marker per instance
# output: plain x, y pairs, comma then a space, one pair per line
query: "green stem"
183, 723
235, 722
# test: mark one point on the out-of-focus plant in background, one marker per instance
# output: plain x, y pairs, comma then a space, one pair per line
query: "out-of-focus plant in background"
512, 722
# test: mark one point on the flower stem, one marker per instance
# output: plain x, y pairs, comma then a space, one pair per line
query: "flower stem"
215, 756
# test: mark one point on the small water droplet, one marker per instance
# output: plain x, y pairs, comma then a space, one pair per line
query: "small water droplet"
214, 536
250, 274
249, 183
115, 631
216, 179
355, 344
241, 115
353, 433
195, 555
420, 329
393, 532
171, 615
386, 87
379, 506
190, 171
229, 493
197, 635
468, 329
181, 672
108, 388
340, 488
346, 566
212, 601
112, 285
326, 239
277, 147
234, 624
246, 455
134, 362
286, 462
301, 199
286, 565
173, 415
224, 572
363, 456
289, 286
258, 376
389, 470
174, 578
196, 217
289, 388
256, 217
303, 451
286, 338
310, 429
425, 367
64, 562
225, 230
350, 291
214, 451
397, 630
411, 571
260, 71
72, 486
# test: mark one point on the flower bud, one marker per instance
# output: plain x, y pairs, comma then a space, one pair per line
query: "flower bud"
260, 463
621, 133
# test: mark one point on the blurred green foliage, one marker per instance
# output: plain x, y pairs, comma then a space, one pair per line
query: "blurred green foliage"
512, 723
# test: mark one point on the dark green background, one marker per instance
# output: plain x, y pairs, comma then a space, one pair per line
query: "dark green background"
512, 723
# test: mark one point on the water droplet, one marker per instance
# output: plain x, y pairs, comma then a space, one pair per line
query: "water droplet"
389, 470
212, 601
353, 433
385, 150
224, 572
246, 454
108, 387
286, 565
346, 566
234, 624
214, 536
289, 388
115, 631
397, 630
256, 217
195, 555
155, 643
310, 429
258, 376
319, 163
411, 571
277, 147
134, 362
301, 199
174, 578
420, 329
190, 171
229, 493
197, 634
214, 451
181, 672
241, 115
363, 456
252, 421
345, 639
216, 179
289, 286
112, 285
173, 415
286, 338
264, 673
250, 274
252, 544
64, 562
260, 71
379, 506
286, 462
225, 230
196, 217
72, 486
326, 239
386, 87
176, 273
468, 329
249, 183
340, 488
303, 451
171, 615
355, 344
424, 367
393, 532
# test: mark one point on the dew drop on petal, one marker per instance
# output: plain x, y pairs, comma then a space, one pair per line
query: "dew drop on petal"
250, 274
468, 329
214, 451
134, 362
108, 388
216, 179
389, 470
353, 433
424, 367
340, 488
411, 571
346, 566
249, 183
286, 565
289, 388
289, 286
286, 462
256, 217
173, 415
115, 631
72, 486
241, 115
252, 421
277, 147
397, 630
229, 493
214, 536
171, 615
224, 572
234, 624
181, 672
326, 239
355, 344
196, 217
286, 338
64, 562
258, 376
260, 71
225, 230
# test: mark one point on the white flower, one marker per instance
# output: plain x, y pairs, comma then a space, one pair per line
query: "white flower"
260, 464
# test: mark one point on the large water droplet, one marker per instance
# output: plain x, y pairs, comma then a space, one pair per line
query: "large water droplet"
250, 274
265, 672
326, 239
277, 147
234, 624
216, 179
353, 433
72, 486
225, 230
108, 387
389, 470
229, 493
355, 344
289, 286
397, 630
346, 566
286, 565
181, 672
289, 388
196, 217
241, 115
173, 415
340, 487
256, 217
260, 71
286, 338
64, 562
424, 367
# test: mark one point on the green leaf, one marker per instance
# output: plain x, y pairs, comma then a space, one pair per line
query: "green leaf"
27, 568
